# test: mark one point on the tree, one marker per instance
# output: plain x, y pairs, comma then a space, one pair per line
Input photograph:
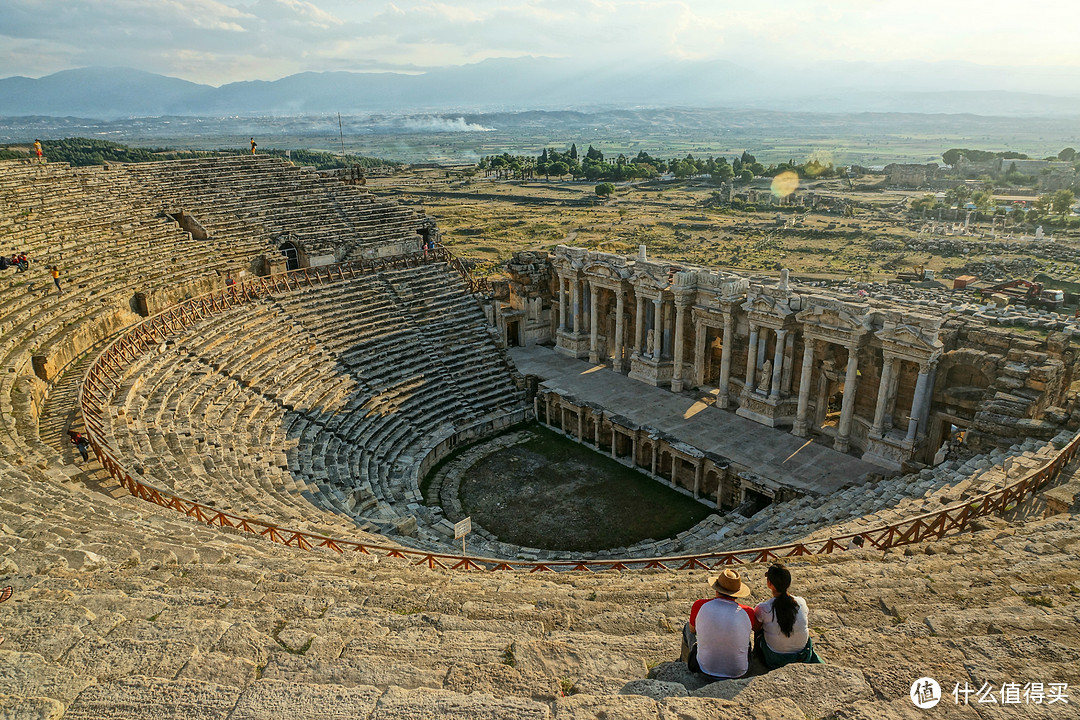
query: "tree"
1061, 201
558, 169
920, 205
951, 157
573, 151
604, 189
1068, 154
722, 172
983, 200
746, 176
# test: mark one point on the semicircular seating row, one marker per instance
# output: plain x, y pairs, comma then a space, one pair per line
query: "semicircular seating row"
108, 231
314, 408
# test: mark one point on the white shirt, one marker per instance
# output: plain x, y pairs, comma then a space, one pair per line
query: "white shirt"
777, 641
724, 631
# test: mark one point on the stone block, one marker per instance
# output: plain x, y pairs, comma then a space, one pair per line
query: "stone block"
818, 690
655, 689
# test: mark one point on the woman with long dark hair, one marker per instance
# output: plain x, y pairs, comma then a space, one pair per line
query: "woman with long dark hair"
785, 631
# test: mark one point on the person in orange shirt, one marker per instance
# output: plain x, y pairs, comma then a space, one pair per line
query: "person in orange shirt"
37, 149
55, 272
253, 146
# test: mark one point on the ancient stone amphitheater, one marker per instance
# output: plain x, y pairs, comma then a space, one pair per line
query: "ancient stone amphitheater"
268, 363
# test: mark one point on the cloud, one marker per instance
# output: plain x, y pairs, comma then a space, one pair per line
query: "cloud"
219, 41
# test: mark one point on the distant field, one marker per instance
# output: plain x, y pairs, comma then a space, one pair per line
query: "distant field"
861, 138
488, 220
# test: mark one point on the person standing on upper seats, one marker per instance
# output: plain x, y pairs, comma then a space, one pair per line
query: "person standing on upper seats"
717, 640
253, 146
37, 149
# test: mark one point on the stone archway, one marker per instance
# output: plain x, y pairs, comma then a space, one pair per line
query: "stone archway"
292, 255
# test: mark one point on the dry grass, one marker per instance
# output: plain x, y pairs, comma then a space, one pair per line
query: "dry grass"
488, 220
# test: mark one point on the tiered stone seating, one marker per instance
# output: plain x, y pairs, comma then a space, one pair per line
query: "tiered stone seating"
125, 610
318, 403
868, 505
284, 200
109, 231
312, 409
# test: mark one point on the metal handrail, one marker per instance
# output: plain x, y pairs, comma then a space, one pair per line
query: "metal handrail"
105, 374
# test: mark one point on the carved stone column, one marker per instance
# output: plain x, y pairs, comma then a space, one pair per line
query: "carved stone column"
778, 364
805, 378
722, 398
699, 472
658, 326
701, 355
562, 303
682, 301
847, 407
917, 402
576, 302
639, 326
878, 428
594, 324
890, 400
619, 350
751, 358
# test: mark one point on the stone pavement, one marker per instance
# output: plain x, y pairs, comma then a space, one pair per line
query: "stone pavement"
815, 469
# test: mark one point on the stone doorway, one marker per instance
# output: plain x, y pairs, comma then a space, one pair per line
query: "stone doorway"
292, 255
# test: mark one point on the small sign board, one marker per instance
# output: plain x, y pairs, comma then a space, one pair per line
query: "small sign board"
1007, 465
462, 528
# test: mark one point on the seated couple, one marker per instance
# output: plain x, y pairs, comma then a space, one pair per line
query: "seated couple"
717, 640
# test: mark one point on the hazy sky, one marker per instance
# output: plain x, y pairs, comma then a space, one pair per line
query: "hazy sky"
219, 41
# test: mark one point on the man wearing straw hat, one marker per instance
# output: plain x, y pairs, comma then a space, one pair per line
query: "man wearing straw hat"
717, 640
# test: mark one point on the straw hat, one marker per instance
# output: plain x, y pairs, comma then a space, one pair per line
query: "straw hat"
729, 583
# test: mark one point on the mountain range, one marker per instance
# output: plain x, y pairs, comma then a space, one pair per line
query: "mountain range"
554, 84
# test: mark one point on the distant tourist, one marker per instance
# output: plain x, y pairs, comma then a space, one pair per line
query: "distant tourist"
79, 441
55, 272
856, 543
785, 634
37, 149
253, 146
717, 639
